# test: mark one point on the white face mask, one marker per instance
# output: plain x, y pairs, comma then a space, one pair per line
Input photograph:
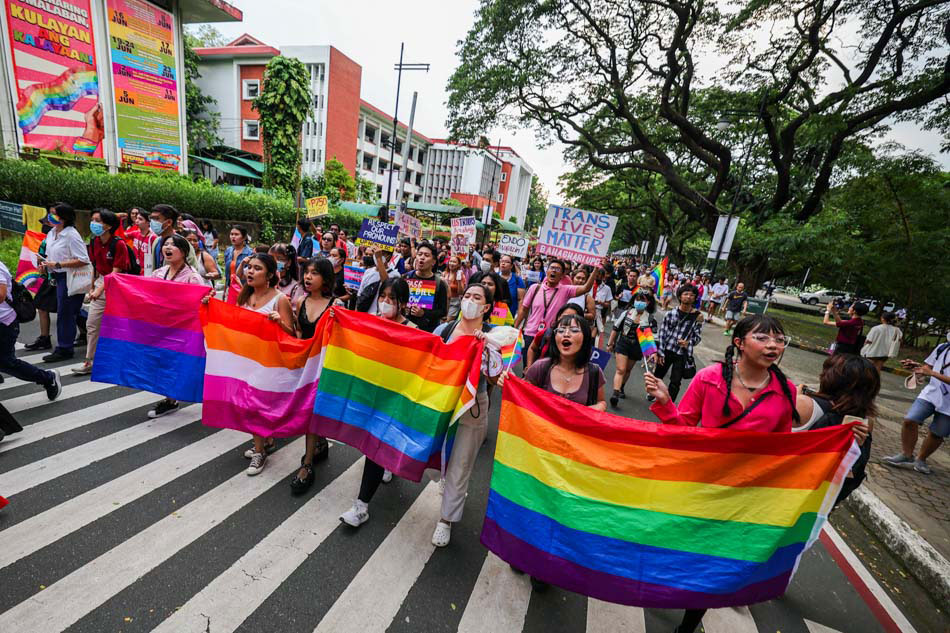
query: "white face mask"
470, 309
335, 261
387, 309
485, 266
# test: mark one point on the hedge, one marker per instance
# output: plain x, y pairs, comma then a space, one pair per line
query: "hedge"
39, 182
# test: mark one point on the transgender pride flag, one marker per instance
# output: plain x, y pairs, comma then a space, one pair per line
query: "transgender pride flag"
151, 337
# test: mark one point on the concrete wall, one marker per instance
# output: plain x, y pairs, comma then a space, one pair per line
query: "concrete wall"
219, 79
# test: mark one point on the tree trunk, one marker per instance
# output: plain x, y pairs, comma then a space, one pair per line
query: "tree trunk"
753, 273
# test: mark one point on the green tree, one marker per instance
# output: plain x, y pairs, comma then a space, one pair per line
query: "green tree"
284, 103
366, 190
452, 202
334, 182
201, 121
537, 205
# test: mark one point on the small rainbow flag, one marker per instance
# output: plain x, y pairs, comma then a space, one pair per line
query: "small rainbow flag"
659, 275
148, 342
647, 343
511, 354
658, 516
27, 272
392, 392
258, 379
61, 93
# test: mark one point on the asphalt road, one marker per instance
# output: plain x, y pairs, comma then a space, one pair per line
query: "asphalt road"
118, 523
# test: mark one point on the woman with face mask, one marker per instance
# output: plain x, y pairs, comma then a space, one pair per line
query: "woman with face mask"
624, 343
500, 314
337, 260
456, 277
286, 257
207, 268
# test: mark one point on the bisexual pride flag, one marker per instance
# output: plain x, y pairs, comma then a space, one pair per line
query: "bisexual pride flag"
151, 337
652, 515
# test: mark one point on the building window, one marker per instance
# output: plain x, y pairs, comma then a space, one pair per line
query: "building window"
250, 88
252, 130
504, 176
320, 131
500, 197
370, 135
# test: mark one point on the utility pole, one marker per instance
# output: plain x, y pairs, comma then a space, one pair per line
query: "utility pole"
392, 152
491, 189
407, 151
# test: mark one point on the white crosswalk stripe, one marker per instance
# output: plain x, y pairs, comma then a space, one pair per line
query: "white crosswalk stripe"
10, 383
38, 399
734, 620
59, 464
499, 600
606, 617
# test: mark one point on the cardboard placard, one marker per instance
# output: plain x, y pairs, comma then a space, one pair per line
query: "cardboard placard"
352, 275
601, 357
317, 206
532, 276
514, 244
421, 293
378, 233
576, 235
464, 226
409, 225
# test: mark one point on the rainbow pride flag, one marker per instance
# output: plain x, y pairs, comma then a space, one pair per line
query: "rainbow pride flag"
651, 515
258, 378
647, 342
151, 337
659, 275
61, 93
511, 354
26, 271
393, 392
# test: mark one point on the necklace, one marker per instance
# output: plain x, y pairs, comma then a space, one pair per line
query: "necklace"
566, 378
742, 382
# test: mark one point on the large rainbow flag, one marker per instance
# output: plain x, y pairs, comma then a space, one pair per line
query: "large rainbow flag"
394, 392
26, 271
151, 337
659, 275
656, 516
258, 378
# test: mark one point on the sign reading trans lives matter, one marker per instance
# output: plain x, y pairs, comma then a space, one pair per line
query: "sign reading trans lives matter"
577, 235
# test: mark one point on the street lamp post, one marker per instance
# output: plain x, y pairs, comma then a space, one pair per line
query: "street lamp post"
392, 152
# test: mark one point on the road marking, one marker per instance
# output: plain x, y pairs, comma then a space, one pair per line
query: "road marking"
867, 587
729, 620
38, 399
234, 595
37, 532
498, 602
76, 419
41, 471
814, 627
10, 383
63, 603
373, 598
607, 617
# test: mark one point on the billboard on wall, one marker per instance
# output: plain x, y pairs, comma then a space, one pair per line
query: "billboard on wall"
53, 58
144, 76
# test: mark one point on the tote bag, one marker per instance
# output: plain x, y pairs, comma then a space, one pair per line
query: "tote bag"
79, 280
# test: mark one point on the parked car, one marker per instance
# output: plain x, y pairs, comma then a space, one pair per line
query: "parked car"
824, 296
873, 303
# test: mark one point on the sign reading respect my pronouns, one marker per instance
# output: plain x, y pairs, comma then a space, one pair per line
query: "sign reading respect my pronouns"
576, 235
378, 233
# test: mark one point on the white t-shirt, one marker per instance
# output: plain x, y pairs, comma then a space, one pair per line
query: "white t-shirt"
719, 292
65, 245
937, 392
604, 294
7, 314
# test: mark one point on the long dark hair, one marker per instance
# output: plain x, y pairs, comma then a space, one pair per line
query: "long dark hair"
489, 297
850, 383
290, 254
750, 325
270, 264
501, 286
323, 267
587, 347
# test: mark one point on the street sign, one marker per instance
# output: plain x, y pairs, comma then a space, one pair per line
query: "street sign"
721, 244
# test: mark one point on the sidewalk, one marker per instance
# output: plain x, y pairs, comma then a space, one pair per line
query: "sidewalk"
921, 503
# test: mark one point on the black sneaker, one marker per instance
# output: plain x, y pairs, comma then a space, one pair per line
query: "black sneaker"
539, 585
80, 340
41, 342
614, 400
164, 407
55, 388
622, 395
57, 356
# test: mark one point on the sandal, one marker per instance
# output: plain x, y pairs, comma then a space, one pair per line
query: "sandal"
299, 486
442, 534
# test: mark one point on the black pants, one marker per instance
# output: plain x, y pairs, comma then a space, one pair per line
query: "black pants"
524, 353
372, 477
691, 620
673, 363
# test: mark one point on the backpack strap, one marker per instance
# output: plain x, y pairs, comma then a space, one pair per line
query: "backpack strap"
447, 331
747, 411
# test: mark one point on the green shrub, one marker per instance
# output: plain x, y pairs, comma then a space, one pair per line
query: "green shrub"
40, 182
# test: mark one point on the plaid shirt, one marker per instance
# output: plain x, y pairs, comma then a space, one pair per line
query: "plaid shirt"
676, 326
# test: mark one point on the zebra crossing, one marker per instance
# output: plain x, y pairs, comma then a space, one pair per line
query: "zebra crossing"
121, 523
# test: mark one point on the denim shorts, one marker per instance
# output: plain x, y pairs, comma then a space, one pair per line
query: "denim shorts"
921, 409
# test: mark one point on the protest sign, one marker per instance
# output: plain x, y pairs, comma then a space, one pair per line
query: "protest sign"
317, 206
377, 233
532, 276
409, 225
464, 226
600, 357
421, 293
514, 244
576, 235
352, 275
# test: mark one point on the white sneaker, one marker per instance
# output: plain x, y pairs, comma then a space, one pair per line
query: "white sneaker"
257, 464
357, 515
387, 476
442, 534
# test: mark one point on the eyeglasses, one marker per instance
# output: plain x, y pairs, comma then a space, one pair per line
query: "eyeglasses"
763, 339
561, 331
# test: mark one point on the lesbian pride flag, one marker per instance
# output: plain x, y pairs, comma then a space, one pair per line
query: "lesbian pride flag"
393, 392
651, 515
151, 337
258, 378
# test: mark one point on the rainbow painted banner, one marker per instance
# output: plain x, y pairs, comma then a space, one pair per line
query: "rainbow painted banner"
659, 276
658, 516
393, 392
61, 93
258, 378
647, 342
26, 271
150, 341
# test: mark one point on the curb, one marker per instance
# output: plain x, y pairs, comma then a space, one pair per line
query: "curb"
925, 562
824, 351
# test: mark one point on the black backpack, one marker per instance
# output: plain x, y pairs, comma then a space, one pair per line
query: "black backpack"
830, 417
21, 301
134, 267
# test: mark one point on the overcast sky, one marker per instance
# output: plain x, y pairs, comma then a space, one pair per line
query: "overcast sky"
369, 32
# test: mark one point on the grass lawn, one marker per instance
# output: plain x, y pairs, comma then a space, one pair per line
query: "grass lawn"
10, 252
808, 329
